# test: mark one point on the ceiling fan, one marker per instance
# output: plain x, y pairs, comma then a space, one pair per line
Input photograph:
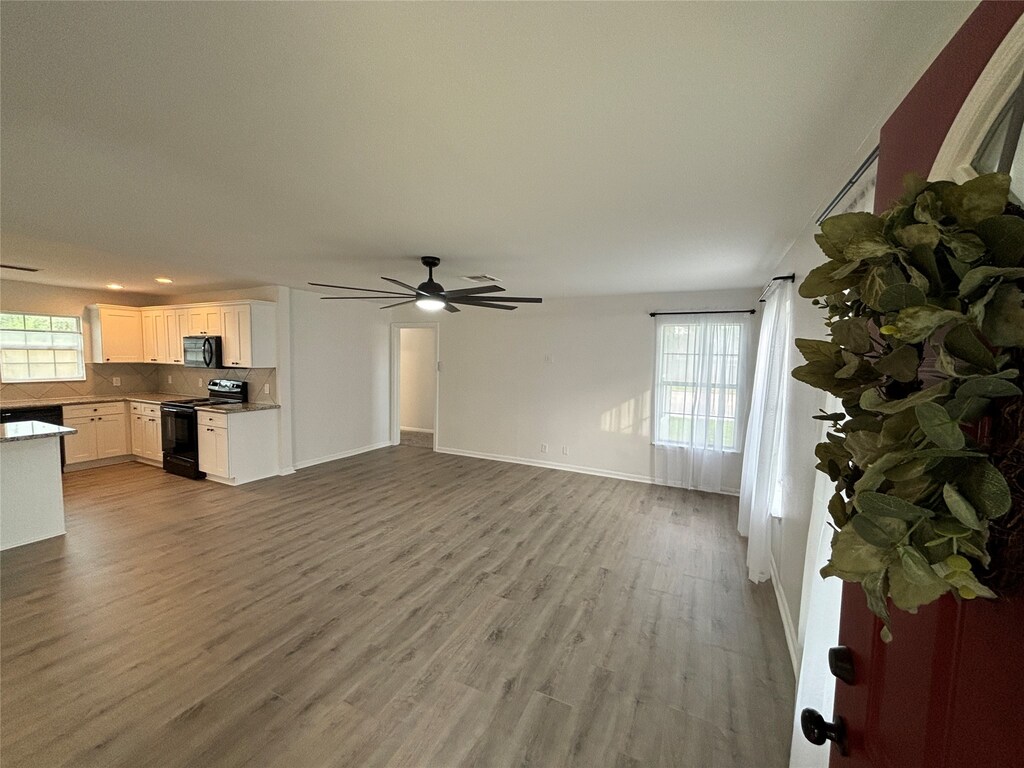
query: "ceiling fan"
432, 296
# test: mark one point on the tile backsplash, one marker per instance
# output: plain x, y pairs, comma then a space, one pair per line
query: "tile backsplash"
143, 377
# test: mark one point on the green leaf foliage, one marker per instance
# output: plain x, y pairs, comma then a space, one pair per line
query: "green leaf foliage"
925, 306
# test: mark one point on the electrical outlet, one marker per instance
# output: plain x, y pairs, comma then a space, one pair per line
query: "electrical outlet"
199, 381
565, 450
549, 358
169, 379
543, 447
266, 388
116, 381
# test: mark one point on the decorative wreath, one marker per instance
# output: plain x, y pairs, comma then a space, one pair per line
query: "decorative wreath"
926, 315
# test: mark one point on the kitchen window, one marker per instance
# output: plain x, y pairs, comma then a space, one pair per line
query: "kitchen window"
699, 376
40, 348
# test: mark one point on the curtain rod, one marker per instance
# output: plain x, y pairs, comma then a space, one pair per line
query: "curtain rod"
788, 278
861, 170
709, 312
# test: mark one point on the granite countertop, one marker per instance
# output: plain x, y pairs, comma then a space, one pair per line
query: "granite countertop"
145, 397
238, 407
31, 430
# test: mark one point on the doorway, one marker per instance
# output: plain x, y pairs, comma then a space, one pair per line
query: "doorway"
414, 384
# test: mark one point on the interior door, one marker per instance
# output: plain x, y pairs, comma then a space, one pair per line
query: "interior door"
947, 691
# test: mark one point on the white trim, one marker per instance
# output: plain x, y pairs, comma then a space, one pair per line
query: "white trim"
787, 617
647, 479
342, 455
980, 109
417, 429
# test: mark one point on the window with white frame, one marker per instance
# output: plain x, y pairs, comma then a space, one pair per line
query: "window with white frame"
40, 348
698, 382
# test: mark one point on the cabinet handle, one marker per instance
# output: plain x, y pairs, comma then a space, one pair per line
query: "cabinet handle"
99, 418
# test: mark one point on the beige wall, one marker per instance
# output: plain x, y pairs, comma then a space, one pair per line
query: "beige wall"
418, 387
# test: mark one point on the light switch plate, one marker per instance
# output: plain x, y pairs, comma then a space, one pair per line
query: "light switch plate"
266, 388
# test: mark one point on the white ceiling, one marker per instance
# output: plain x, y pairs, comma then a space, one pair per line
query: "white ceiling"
569, 149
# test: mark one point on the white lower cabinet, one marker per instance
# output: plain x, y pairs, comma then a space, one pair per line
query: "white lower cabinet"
102, 432
146, 434
236, 448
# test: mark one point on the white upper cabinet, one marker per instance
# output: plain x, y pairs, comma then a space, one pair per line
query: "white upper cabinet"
249, 335
204, 320
116, 334
176, 327
248, 331
154, 336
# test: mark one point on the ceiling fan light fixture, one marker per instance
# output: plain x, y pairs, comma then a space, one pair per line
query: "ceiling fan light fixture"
430, 303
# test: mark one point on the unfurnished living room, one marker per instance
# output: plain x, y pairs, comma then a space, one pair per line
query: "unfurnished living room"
440, 384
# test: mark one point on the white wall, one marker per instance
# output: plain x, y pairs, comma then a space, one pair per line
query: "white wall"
573, 372
418, 385
339, 377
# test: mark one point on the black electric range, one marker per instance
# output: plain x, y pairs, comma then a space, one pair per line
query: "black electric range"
180, 426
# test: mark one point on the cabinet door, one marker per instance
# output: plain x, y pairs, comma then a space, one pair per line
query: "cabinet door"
204, 321
154, 336
176, 327
111, 437
152, 449
81, 446
138, 434
236, 336
213, 450
121, 335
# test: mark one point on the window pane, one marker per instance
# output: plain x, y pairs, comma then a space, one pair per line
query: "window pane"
10, 339
42, 370
69, 324
40, 356
37, 322
14, 355
15, 371
13, 321
68, 371
65, 356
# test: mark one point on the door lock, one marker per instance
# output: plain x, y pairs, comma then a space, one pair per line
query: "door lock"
818, 730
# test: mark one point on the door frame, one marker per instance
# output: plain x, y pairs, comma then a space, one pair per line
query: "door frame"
395, 429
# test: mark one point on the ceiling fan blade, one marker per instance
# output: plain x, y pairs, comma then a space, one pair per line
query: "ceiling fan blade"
516, 299
389, 306
399, 282
353, 288
390, 297
473, 291
451, 308
487, 304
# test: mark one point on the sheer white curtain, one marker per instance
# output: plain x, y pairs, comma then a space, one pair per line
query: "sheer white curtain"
701, 397
760, 485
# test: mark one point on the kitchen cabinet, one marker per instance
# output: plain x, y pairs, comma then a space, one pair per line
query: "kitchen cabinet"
154, 336
116, 334
249, 335
237, 448
147, 438
102, 432
176, 328
204, 320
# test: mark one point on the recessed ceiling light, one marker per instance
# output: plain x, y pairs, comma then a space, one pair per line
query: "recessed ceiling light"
115, 286
164, 280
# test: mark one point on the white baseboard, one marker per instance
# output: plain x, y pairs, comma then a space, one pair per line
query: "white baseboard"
342, 455
787, 618
647, 479
416, 429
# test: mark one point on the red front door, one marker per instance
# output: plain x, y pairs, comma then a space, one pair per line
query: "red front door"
948, 692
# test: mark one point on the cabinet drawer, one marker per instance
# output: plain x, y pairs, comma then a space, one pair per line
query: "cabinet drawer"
212, 419
145, 409
93, 409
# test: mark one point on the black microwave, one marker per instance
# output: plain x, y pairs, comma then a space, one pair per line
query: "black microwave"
202, 351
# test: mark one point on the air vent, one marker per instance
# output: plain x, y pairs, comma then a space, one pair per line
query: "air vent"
481, 278
20, 269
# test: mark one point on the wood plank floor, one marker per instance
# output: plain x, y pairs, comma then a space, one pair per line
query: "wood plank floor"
399, 608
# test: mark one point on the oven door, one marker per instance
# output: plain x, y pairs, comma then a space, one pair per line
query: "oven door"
180, 435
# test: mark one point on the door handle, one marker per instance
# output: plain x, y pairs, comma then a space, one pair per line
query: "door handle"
207, 352
818, 730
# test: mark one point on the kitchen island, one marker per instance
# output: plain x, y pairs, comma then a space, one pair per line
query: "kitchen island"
31, 485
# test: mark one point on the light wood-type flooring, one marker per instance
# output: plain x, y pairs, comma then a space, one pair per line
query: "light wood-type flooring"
398, 608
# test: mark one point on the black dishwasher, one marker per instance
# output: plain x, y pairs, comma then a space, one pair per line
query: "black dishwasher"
47, 414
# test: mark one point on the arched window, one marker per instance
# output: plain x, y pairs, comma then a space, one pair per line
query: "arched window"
1001, 149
